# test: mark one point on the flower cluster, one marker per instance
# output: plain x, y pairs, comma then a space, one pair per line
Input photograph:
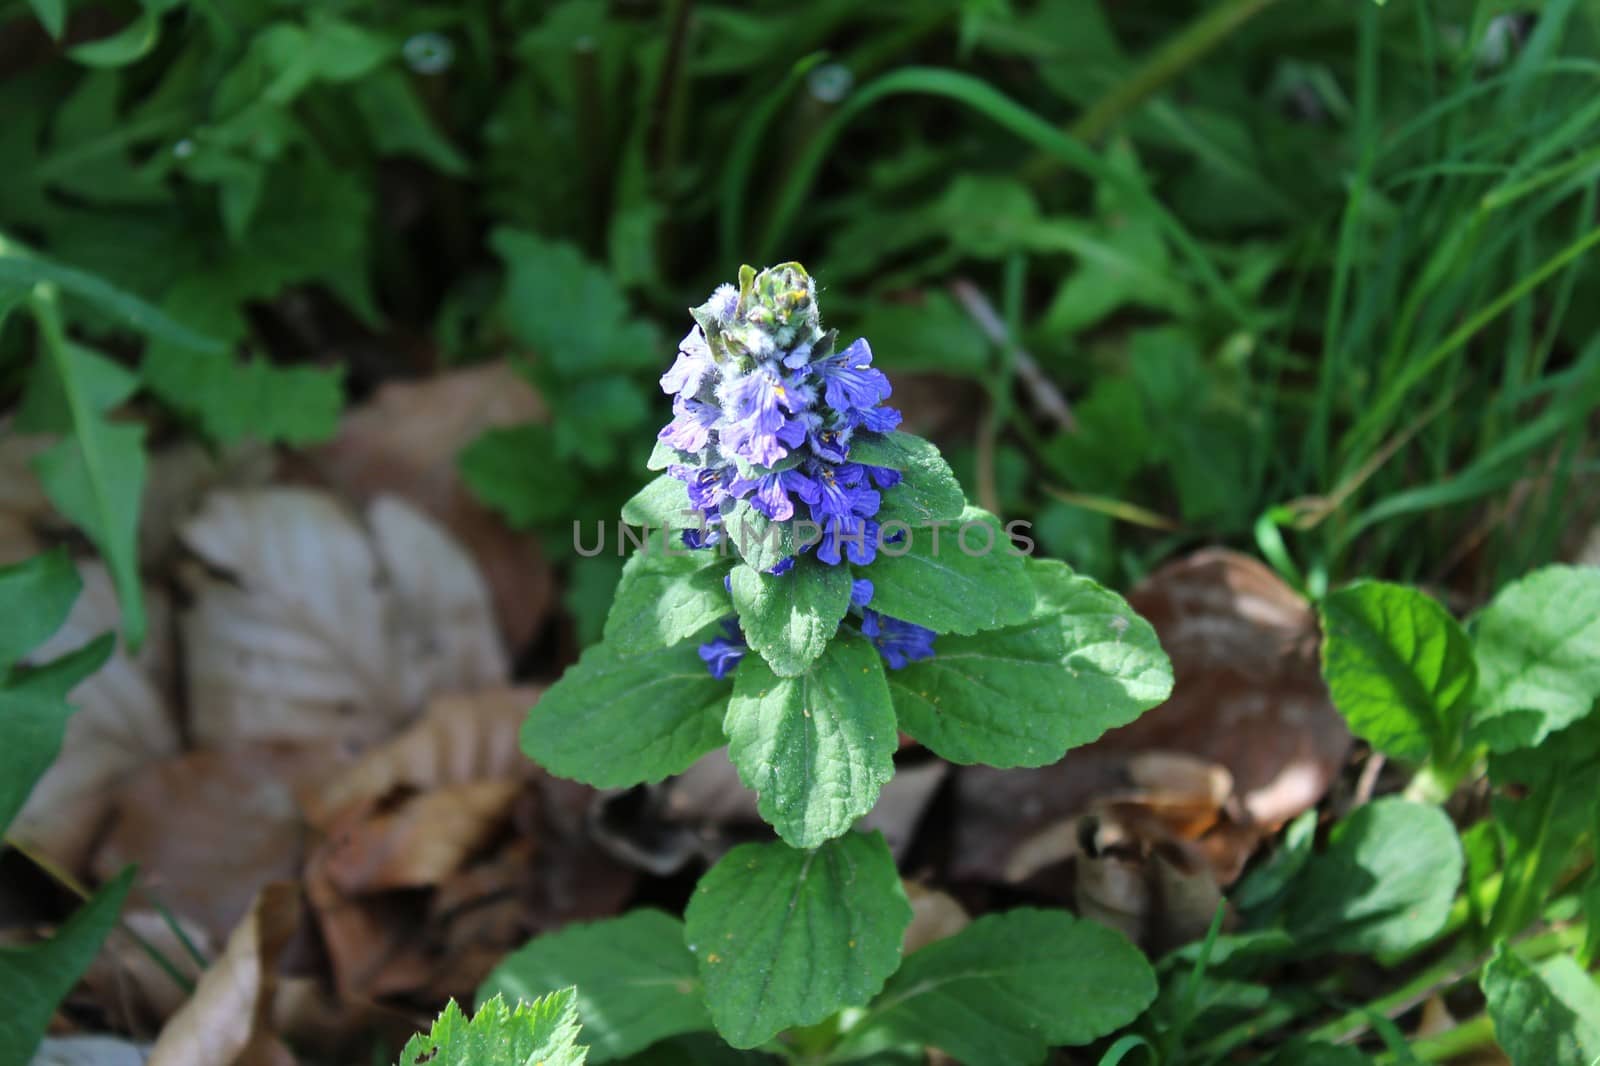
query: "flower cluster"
898, 642
764, 411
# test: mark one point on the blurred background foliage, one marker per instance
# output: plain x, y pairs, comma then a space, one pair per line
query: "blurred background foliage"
1306, 276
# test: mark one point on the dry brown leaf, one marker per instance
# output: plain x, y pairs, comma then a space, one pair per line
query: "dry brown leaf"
123, 722
181, 476
88, 1051
308, 638
228, 1020
209, 828
464, 737
405, 442
420, 841
1249, 694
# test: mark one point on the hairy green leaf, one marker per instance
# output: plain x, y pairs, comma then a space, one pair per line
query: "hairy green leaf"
665, 598
541, 1033
1400, 669
1549, 1016
928, 491
790, 618
635, 978
959, 579
785, 937
1083, 664
1009, 986
817, 747
760, 542
34, 979
1384, 883
661, 505
614, 720
1538, 645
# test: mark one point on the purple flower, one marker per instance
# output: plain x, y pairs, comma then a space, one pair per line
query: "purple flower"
875, 419
860, 592
898, 642
839, 492
848, 379
692, 367
783, 566
769, 493
707, 486
882, 476
722, 654
758, 430
858, 535
691, 426
829, 445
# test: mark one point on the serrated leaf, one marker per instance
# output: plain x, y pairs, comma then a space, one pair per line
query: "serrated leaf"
785, 937
1399, 668
953, 582
569, 310
541, 1033
1538, 646
635, 979
1011, 985
790, 618
664, 598
1384, 884
34, 979
513, 470
614, 720
1023, 696
35, 596
817, 747
96, 478
661, 505
1549, 1016
928, 491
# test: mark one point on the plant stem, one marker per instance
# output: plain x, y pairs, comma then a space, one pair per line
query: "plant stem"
1442, 1047
1170, 60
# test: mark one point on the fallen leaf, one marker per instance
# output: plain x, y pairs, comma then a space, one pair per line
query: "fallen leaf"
209, 828
181, 476
309, 638
405, 441
902, 802
122, 722
228, 1018
89, 1051
935, 915
422, 840
463, 737
1249, 694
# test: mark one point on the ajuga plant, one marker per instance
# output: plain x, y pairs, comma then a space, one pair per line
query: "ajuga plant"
807, 584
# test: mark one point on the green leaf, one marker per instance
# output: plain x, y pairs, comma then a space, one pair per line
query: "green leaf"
52, 15
928, 492
513, 470
1384, 883
1538, 645
760, 542
635, 979
30, 270
785, 937
541, 1033
790, 618
666, 597
1548, 1016
35, 596
1023, 696
399, 125
568, 310
957, 580
817, 747
134, 41
1011, 985
615, 720
1400, 669
661, 505
663, 455
96, 478
231, 397
45, 406
34, 979
1300, 1052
